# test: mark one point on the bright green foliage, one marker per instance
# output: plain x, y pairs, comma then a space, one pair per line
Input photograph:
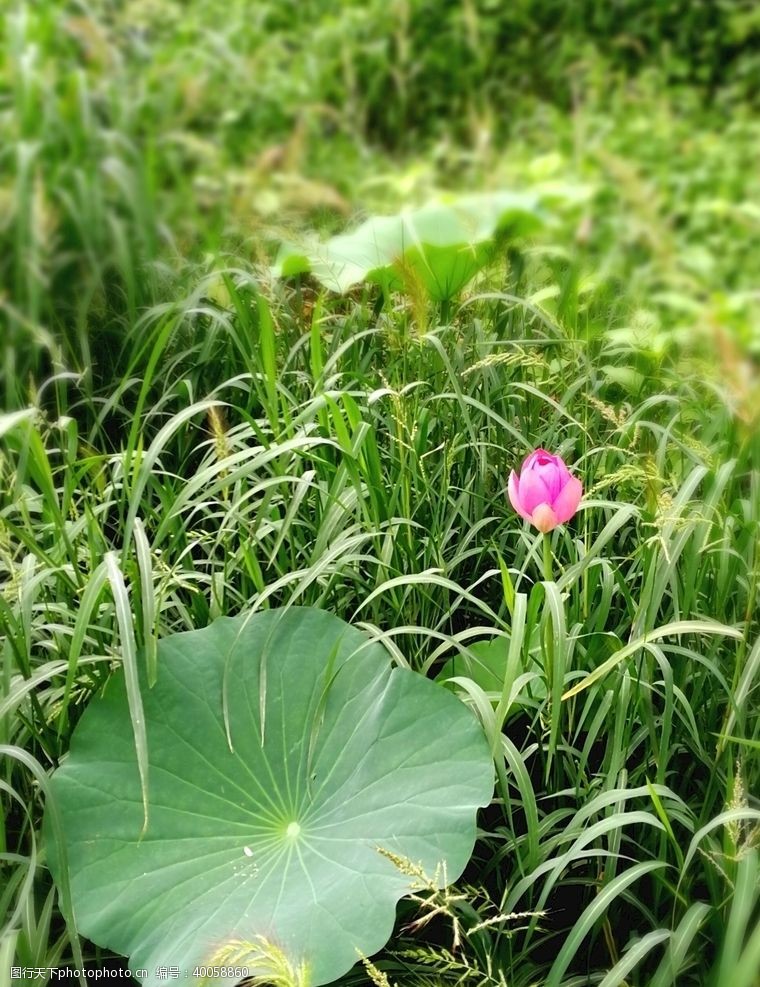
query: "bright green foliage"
438, 248
197, 439
284, 754
486, 663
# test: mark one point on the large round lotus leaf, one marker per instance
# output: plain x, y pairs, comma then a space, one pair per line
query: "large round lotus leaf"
442, 245
284, 754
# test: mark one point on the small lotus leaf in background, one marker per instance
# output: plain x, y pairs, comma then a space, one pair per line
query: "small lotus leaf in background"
267, 808
442, 246
485, 662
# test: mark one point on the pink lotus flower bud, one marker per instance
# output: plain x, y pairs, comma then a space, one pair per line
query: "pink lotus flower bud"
544, 493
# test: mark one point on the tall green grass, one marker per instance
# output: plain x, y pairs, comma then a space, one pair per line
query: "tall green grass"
361, 467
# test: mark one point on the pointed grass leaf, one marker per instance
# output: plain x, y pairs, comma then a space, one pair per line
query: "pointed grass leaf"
593, 913
285, 835
9, 420
638, 950
667, 630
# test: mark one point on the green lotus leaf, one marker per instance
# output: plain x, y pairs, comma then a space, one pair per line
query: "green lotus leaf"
287, 759
441, 245
485, 662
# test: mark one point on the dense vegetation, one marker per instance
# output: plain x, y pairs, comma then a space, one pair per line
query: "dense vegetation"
185, 435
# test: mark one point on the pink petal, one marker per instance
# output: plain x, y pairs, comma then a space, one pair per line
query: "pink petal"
566, 503
513, 488
544, 518
532, 491
563, 471
532, 458
554, 475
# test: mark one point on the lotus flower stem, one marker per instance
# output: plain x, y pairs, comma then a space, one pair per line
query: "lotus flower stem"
548, 637
548, 557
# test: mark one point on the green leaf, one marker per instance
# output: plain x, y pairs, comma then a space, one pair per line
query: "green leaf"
674, 628
593, 913
440, 246
9, 420
272, 830
487, 664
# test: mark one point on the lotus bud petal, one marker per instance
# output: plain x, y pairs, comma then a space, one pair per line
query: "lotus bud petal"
544, 492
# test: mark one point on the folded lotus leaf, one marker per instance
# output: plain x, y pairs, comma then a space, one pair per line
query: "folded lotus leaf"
441, 245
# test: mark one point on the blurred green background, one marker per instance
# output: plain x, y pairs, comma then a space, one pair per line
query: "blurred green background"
147, 142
